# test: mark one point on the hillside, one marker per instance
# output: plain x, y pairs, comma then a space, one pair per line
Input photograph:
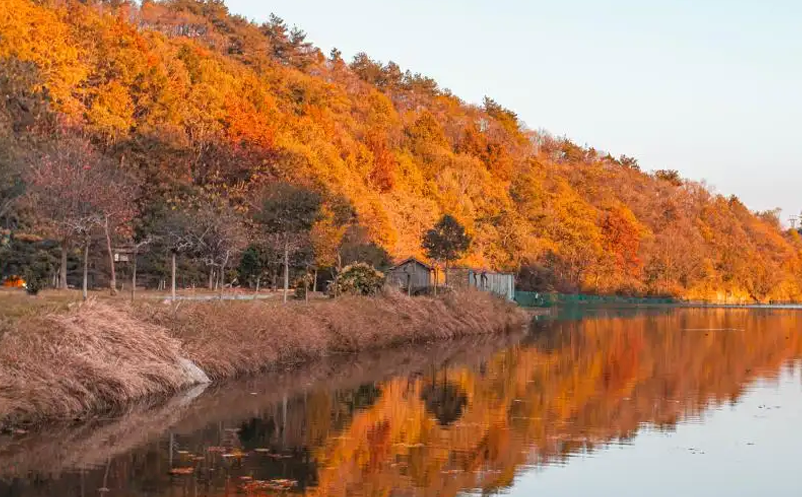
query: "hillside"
192, 99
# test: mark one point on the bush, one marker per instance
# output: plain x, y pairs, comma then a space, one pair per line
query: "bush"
357, 279
36, 274
302, 285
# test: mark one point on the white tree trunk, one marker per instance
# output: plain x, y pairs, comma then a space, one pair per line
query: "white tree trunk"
85, 287
286, 270
172, 276
65, 247
113, 275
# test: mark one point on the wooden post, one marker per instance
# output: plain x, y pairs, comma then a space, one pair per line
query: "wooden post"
133, 276
65, 247
222, 281
172, 276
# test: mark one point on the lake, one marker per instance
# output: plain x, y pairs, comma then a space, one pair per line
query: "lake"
620, 402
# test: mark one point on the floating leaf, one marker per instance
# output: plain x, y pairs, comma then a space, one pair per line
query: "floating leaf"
182, 471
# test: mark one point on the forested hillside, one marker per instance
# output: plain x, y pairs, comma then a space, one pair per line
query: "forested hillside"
201, 110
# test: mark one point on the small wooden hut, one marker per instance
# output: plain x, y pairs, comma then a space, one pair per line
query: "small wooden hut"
411, 275
502, 284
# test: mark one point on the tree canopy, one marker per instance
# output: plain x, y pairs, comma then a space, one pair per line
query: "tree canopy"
447, 241
193, 102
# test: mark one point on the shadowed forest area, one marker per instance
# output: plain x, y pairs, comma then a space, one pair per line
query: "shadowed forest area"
131, 126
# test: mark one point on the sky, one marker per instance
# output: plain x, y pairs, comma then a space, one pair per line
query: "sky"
712, 88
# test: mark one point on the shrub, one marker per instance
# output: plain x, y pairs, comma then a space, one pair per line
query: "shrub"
357, 279
36, 273
302, 285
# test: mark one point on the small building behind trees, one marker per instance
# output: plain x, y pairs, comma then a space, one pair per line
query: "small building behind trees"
413, 276
502, 284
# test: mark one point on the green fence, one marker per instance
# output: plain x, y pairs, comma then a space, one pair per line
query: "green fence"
534, 299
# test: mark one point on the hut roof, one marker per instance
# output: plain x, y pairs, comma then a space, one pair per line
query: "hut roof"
412, 259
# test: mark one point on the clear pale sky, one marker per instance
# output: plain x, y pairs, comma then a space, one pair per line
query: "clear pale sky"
712, 88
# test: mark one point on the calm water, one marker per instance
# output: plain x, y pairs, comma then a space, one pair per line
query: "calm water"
662, 403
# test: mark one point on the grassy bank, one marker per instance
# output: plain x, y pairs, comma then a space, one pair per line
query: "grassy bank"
99, 356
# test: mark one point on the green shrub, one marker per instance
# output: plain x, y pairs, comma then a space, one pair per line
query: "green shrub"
357, 279
302, 285
36, 273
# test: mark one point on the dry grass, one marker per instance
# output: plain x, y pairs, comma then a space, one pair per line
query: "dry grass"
92, 444
94, 357
233, 338
100, 356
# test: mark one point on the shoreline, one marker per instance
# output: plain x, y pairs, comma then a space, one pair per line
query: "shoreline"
90, 443
677, 305
97, 357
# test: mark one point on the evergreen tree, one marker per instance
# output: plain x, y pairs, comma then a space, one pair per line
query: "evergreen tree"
446, 242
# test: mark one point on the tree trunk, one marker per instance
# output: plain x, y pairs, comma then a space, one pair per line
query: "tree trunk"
85, 287
172, 276
306, 288
435, 281
133, 277
211, 278
65, 246
223, 277
314, 284
286, 270
113, 275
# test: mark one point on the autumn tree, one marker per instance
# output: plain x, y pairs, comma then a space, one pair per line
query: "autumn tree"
117, 204
671, 176
446, 242
219, 237
65, 196
11, 185
288, 212
177, 231
24, 114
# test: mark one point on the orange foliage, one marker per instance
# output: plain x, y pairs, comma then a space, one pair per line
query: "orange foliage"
222, 101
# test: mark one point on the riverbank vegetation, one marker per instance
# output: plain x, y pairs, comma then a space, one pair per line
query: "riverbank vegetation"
100, 355
197, 125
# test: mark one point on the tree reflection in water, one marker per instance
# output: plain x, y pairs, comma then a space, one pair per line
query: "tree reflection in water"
570, 386
444, 400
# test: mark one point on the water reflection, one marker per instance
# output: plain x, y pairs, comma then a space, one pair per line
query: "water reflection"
468, 416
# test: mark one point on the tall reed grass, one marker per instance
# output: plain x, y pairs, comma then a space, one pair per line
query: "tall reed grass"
100, 356
93, 357
228, 339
